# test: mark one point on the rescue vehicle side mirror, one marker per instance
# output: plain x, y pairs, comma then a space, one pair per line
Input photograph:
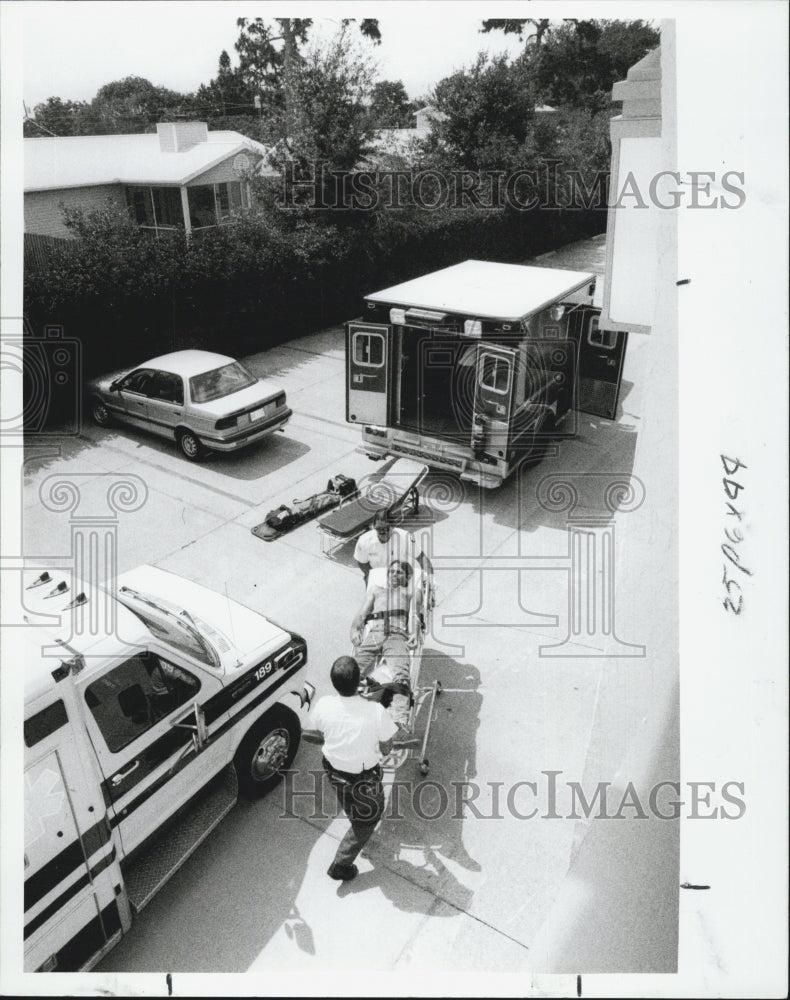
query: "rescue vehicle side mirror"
195, 721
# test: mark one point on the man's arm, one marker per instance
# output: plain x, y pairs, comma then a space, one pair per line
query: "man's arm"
362, 557
314, 734
358, 624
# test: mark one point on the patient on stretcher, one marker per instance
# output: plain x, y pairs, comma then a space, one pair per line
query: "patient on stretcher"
384, 633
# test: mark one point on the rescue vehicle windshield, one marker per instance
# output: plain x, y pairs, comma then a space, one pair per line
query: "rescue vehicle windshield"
174, 626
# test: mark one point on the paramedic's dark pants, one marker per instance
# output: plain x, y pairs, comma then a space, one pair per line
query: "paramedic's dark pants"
361, 797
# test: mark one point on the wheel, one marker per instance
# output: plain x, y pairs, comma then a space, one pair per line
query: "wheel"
100, 413
438, 688
190, 447
424, 767
266, 751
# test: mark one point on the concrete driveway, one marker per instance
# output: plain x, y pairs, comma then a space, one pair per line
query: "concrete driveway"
456, 877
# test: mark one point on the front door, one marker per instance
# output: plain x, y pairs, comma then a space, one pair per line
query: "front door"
130, 400
165, 403
149, 764
493, 399
600, 367
368, 348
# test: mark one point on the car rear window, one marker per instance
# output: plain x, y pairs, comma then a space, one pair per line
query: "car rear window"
220, 382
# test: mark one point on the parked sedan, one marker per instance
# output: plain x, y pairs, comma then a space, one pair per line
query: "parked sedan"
204, 401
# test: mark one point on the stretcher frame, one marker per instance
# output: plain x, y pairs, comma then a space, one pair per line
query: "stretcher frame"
409, 497
421, 626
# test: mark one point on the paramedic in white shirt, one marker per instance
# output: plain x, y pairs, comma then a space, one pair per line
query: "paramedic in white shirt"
356, 733
383, 543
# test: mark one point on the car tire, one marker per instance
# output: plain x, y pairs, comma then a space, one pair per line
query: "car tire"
266, 751
190, 446
100, 413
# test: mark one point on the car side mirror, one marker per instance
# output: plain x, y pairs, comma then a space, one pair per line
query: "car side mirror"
115, 386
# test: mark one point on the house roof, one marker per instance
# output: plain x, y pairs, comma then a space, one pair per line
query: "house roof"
89, 160
486, 290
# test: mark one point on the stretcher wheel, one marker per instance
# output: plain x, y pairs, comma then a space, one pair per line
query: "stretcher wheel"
424, 767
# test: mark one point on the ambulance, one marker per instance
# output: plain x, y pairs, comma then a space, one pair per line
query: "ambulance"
150, 705
477, 367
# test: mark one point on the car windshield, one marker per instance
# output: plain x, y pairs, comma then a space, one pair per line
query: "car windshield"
220, 382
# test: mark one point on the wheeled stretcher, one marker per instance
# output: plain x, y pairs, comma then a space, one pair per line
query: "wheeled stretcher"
395, 490
379, 683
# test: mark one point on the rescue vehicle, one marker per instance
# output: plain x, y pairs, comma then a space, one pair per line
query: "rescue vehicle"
150, 705
476, 367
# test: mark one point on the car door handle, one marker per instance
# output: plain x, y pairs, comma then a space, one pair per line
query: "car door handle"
122, 775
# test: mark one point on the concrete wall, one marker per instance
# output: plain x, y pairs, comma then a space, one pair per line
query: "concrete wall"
43, 214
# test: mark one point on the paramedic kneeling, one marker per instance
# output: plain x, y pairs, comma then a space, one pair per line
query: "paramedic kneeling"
387, 611
355, 734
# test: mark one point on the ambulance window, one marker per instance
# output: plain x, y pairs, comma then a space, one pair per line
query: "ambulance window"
368, 350
495, 374
44, 723
601, 338
135, 695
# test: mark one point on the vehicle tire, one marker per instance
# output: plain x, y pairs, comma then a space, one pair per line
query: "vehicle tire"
190, 447
266, 751
100, 413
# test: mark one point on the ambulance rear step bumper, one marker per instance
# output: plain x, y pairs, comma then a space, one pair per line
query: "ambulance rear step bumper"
162, 858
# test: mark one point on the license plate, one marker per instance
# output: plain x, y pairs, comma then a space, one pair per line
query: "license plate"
257, 414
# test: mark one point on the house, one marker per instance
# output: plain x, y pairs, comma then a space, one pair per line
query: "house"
404, 142
181, 176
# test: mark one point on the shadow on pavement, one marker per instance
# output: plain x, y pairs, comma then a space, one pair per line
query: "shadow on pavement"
420, 838
230, 898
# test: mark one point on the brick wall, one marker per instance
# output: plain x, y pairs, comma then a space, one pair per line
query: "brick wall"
42, 208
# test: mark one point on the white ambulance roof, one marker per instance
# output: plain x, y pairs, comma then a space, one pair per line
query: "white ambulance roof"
49, 620
486, 290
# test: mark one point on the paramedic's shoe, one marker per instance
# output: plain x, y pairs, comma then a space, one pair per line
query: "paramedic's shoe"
342, 873
404, 739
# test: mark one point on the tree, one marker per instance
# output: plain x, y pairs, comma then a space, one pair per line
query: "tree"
133, 104
226, 94
269, 69
57, 117
330, 120
516, 26
487, 112
580, 61
390, 105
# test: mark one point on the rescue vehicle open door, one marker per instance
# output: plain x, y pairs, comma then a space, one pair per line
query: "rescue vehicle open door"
495, 369
600, 366
368, 354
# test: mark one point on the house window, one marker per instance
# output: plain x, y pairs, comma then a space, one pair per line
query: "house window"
230, 198
167, 207
155, 207
202, 206
141, 207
